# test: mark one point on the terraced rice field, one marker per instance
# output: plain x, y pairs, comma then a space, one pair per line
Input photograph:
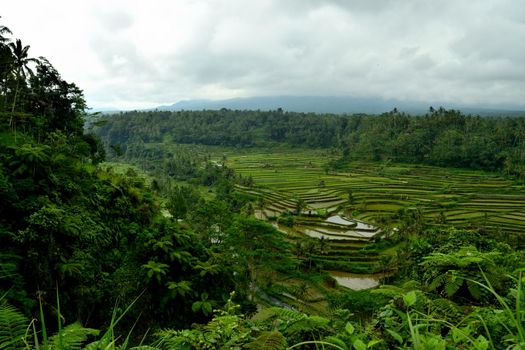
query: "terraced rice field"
348, 223
464, 198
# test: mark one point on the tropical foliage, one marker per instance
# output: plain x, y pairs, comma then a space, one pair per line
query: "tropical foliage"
170, 255
440, 137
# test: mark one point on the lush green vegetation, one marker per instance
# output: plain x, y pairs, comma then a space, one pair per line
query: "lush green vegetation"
179, 246
441, 137
95, 235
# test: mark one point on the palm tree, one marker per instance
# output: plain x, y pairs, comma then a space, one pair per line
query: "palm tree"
21, 62
4, 30
5, 58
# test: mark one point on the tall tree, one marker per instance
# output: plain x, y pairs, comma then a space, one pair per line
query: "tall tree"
5, 62
21, 68
61, 103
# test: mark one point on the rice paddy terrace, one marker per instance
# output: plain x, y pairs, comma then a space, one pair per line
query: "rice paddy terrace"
349, 209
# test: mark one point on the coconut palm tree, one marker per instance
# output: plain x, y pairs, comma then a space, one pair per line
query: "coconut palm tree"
5, 60
21, 61
4, 30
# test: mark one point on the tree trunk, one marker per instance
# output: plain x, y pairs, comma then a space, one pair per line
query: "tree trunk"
12, 121
14, 100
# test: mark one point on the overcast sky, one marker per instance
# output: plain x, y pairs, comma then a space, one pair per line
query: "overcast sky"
134, 54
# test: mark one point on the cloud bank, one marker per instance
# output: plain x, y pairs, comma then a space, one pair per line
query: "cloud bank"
134, 54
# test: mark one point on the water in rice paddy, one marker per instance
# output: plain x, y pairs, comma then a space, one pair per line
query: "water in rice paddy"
356, 281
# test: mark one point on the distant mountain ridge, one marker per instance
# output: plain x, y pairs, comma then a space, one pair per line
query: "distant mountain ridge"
333, 104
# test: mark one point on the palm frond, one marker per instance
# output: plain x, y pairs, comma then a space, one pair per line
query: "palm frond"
5, 30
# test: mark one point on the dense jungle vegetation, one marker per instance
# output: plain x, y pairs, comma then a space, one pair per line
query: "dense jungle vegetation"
441, 137
99, 255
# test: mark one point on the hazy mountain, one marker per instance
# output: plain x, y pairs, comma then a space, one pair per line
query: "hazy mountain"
331, 104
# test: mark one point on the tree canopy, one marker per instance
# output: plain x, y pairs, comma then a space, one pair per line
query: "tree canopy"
440, 137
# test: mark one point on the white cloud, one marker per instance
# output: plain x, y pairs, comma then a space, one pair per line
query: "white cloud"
132, 53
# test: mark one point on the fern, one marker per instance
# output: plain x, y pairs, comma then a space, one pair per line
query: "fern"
273, 340
411, 285
184, 339
13, 326
437, 282
453, 283
71, 337
307, 324
475, 290
295, 323
446, 309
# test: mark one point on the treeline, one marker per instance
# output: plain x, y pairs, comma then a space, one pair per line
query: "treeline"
440, 137
222, 128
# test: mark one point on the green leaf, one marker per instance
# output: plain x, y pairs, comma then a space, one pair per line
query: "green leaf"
358, 344
196, 306
456, 335
336, 341
395, 335
482, 343
410, 298
206, 308
373, 342
349, 328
